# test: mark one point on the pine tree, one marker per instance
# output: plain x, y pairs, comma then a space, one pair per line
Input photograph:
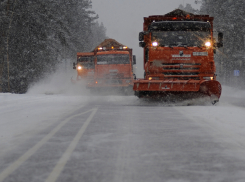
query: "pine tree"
229, 19
42, 32
188, 8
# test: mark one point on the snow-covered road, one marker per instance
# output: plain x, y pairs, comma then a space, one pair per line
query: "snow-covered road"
80, 137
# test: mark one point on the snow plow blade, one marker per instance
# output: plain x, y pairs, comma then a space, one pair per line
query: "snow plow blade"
181, 89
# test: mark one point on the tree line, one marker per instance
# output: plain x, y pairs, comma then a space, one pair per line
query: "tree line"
229, 18
36, 35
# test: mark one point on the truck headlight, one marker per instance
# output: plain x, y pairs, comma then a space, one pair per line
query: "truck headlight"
154, 44
208, 44
208, 78
79, 67
153, 78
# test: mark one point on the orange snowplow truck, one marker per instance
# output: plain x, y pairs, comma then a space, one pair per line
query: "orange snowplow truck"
179, 57
113, 67
84, 65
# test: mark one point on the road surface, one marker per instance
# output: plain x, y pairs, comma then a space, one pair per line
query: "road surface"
48, 138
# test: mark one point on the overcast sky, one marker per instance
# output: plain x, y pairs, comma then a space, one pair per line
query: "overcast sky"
123, 19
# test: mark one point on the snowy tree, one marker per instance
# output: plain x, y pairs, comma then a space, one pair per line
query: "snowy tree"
98, 35
188, 8
37, 34
229, 19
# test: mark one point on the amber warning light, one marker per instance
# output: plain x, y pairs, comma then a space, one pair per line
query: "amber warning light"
124, 47
104, 48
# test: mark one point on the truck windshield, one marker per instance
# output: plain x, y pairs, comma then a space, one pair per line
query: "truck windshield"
113, 59
180, 26
181, 38
86, 62
180, 33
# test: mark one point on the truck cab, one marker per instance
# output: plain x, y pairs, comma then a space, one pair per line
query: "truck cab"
113, 67
84, 65
179, 49
179, 57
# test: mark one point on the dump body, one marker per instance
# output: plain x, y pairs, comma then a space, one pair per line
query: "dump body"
85, 65
113, 66
178, 56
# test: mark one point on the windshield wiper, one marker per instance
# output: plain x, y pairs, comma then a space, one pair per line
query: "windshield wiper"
195, 46
199, 46
183, 45
171, 45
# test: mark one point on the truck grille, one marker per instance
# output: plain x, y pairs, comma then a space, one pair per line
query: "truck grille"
180, 74
181, 66
181, 69
114, 81
114, 75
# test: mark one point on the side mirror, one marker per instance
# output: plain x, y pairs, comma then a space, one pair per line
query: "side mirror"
220, 39
134, 59
74, 66
141, 36
142, 44
215, 45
